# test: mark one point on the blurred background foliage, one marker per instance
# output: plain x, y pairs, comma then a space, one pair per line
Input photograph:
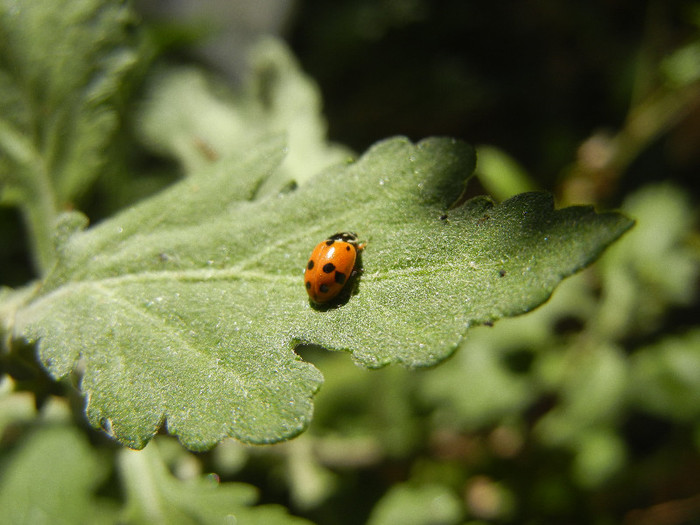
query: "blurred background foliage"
586, 410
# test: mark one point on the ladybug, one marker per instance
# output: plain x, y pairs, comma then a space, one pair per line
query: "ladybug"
331, 265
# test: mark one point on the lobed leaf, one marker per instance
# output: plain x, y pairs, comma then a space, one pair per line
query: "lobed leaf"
57, 110
155, 495
69, 492
190, 118
62, 66
186, 309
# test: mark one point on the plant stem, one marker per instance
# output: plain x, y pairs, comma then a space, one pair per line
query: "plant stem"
140, 483
31, 188
39, 217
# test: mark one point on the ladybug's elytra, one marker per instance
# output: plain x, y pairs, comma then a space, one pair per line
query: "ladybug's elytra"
331, 265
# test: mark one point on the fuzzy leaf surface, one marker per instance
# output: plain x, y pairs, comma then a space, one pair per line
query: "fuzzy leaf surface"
57, 110
186, 308
62, 67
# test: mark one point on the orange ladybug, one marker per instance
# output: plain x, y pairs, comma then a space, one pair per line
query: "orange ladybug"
331, 265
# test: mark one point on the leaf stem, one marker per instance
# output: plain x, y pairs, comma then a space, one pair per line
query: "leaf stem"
39, 217
139, 480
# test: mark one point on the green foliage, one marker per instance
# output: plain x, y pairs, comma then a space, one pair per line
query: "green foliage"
664, 377
185, 308
189, 117
500, 174
417, 506
175, 311
596, 384
185, 311
57, 113
31, 493
154, 495
651, 269
67, 491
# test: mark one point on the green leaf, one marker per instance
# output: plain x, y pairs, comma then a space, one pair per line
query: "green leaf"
476, 389
198, 122
61, 65
680, 68
65, 493
653, 267
479, 387
592, 388
600, 453
62, 494
186, 308
665, 379
500, 174
154, 495
429, 504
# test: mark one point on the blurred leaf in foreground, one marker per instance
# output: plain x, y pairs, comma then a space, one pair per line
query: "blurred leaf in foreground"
186, 308
665, 377
500, 174
653, 267
62, 64
52, 478
154, 495
417, 505
191, 118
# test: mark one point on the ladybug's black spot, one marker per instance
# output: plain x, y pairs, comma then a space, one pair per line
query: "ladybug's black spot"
339, 277
329, 242
308, 284
347, 248
328, 268
323, 288
310, 265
